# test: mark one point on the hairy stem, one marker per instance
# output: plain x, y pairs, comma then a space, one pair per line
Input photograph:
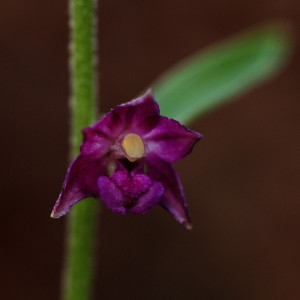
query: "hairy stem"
82, 220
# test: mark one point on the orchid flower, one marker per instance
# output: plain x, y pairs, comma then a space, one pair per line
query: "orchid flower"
125, 160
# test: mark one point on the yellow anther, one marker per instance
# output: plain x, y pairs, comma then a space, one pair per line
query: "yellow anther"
133, 146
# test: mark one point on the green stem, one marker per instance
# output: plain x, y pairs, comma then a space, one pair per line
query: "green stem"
82, 220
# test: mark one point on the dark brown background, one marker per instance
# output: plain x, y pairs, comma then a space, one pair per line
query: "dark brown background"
242, 180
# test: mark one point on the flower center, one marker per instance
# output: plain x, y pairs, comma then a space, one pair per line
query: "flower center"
133, 146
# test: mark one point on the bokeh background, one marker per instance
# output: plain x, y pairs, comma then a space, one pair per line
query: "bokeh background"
241, 181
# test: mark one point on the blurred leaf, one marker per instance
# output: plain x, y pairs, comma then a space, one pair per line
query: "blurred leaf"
213, 77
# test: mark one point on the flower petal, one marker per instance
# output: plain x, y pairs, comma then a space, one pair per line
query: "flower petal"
111, 195
139, 115
125, 193
149, 200
170, 140
110, 125
99, 137
94, 142
173, 199
80, 182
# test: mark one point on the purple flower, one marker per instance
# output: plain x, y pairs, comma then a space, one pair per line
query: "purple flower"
125, 161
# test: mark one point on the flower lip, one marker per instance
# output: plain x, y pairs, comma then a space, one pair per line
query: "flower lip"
133, 146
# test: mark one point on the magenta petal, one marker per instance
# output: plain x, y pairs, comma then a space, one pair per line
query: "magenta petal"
80, 182
110, 125
148, 200
170, 140
173, 199
139, 115
123, 193
99, 137
111, 195
95, 142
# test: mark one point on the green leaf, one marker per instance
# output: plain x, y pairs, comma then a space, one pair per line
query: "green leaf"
215, 76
